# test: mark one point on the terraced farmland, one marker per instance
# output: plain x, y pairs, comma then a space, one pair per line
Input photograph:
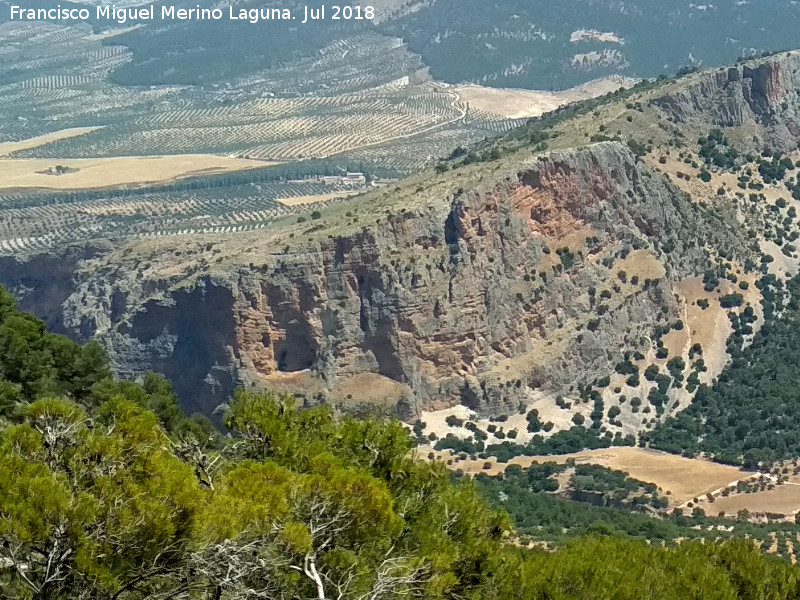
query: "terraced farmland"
358, 92
365, 96
362, 103
31, 223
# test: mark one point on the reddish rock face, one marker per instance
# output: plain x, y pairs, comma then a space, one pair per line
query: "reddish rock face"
480, 299
769, 82
484, 298
558, 200
487, 298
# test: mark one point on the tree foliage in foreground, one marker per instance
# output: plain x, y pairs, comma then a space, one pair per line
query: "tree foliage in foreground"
104, 504
108, 492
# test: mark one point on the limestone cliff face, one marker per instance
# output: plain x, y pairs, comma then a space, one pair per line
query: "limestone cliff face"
765, 94
530, 281
487, 298
44, 282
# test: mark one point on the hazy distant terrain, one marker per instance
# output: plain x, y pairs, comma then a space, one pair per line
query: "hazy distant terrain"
387, 98
545, 44
535, 44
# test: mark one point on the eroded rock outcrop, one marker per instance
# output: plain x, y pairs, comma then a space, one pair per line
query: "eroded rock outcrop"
764, 94
529, 280
485, 298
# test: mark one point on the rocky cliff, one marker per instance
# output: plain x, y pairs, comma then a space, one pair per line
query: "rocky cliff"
765, 93
492, 286
485, 298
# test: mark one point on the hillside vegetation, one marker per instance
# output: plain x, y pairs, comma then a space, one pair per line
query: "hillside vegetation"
107, 491
560, 269
551, 504
750, 414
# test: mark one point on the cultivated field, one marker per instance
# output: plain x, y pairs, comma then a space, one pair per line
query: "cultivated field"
38, 222
781, 500
359, 93
39, 140
682, 479
91, 173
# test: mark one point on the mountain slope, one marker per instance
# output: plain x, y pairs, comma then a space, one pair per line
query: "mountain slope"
576, 280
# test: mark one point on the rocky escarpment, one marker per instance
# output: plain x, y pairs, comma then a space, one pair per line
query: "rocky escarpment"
534, 281
42, 283
765, 94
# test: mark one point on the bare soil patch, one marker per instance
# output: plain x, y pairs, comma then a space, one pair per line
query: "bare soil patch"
782, 499
523, 104
709, 327
300, 200
370, 389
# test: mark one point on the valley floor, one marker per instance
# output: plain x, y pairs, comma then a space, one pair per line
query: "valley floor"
687, 482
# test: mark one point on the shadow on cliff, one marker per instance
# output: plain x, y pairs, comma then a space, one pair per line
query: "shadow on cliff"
42, 283
191, 342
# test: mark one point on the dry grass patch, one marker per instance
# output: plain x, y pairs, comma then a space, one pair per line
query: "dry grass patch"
301, 200
782, 499
711, 327
91, 173
698, 190
523, 104
7, 148
369, 388
642, 264
677, 342
782, 266
708, 327
682, 478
